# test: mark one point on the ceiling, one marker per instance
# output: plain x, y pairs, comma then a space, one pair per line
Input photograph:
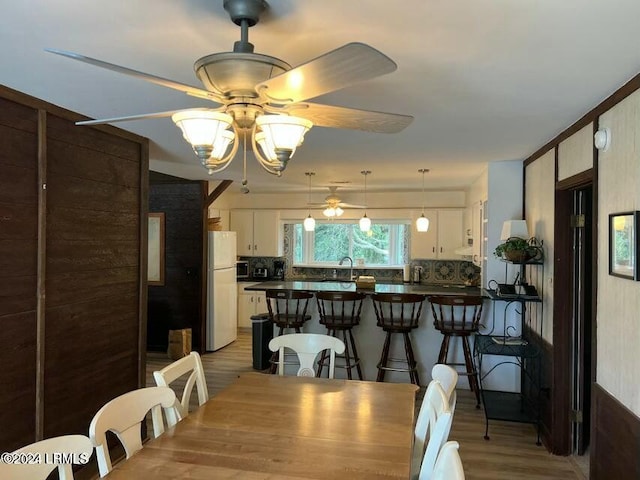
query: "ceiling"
486, 80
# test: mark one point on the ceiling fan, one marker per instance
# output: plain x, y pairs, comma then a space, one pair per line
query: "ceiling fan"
263, 97
333, 204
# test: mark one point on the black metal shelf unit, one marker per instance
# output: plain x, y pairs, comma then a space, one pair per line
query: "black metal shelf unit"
519, 350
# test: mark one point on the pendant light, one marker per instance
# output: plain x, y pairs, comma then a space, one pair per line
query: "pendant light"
309, 222
365, 222
422, 223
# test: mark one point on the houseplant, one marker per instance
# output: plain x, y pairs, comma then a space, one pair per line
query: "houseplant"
519, 250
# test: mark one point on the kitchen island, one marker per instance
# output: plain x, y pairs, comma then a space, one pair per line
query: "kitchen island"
425, 339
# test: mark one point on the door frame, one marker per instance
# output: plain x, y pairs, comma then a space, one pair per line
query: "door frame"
562, 362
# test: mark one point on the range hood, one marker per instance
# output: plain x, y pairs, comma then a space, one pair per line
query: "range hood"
465, 251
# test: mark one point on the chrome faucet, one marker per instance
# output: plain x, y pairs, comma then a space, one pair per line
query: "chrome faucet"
350, 268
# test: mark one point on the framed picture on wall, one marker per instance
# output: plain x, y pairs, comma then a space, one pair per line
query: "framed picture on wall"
155, 262
623, 245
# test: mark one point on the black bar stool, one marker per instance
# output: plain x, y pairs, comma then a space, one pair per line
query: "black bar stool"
287, 310
458, 316
340, 312
398, 313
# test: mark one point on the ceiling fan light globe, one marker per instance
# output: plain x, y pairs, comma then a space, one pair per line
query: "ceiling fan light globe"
201, 127
339, 211
365, 223
329, 212
309, 224
283, 131
221, 144
422, 224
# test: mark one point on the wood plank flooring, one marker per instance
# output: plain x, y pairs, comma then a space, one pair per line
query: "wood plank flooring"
511, 454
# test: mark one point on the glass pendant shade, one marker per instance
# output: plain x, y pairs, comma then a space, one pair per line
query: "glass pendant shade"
365, 223
309, 224
282, 131
201, 128
422, 223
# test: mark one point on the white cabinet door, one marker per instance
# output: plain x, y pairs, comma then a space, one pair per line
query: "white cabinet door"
267, 237
424, 244
249, 303
450, 233
241, 222
476, 233
259, 232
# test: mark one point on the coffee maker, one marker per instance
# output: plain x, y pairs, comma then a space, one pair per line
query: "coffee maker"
278, 269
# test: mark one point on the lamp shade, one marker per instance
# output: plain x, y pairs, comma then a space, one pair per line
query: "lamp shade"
201, 127
422, 224
309, 224
221, 144
282, 131
365, 223
514, 228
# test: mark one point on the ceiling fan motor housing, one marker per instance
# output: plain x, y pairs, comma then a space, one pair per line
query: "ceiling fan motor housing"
248, 10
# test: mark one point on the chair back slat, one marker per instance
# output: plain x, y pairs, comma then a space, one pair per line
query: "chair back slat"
339, 309
456, 313
398, 311
288, 308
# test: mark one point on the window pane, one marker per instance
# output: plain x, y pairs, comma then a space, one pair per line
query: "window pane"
331, 242
373, 246
297, 243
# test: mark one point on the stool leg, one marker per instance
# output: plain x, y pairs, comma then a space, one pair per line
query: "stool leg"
444, 348
471, 370
411, 361
384, 358
275, 357
356, 358
323, 354
347, 355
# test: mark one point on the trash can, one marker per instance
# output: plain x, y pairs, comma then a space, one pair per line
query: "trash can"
262, 333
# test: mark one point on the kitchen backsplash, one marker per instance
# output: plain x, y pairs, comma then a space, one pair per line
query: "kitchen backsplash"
433, 271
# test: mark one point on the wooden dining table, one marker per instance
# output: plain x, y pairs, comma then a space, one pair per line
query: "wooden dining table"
268, 426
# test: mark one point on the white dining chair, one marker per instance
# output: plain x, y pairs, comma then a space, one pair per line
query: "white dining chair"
448, 378
434, 405
438, 436
448, 465
191, 365
307, 346
56, 452
124, 416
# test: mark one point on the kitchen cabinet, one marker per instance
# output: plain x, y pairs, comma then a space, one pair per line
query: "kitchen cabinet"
446, 233
249, 303
478, 220
259, 232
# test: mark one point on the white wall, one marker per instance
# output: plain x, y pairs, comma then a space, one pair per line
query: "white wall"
540, 207
618, 303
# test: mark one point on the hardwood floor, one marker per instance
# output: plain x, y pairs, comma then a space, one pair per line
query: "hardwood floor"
511, 454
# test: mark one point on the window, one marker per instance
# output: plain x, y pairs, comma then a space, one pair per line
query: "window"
383, 245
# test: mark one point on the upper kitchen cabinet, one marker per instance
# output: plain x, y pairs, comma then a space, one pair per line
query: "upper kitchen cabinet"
259, 232
444, 236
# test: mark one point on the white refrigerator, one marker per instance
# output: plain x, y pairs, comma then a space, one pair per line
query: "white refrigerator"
222, 290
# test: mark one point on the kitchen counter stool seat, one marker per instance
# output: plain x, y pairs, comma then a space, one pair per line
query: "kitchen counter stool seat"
458, 317
398, 313
287, 311
340, 312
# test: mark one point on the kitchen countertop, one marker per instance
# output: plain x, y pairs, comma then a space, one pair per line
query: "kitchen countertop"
345, 286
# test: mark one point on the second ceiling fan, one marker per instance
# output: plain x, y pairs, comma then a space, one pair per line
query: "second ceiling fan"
263, 97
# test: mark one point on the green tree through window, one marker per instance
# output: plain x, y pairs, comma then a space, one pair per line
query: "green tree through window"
383, 245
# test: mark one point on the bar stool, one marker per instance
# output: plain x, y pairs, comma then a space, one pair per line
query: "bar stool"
458, 316
340, 312
398, 313
287, 311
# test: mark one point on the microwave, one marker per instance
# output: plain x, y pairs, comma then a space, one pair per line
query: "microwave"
242, 269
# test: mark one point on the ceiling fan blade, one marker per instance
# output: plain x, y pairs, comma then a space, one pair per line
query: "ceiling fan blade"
351, 205
188, 89
141, 116
350, 118
344, 66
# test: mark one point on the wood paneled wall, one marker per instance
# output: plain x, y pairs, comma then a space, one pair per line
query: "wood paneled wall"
615, 438
178, 303
72, 297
